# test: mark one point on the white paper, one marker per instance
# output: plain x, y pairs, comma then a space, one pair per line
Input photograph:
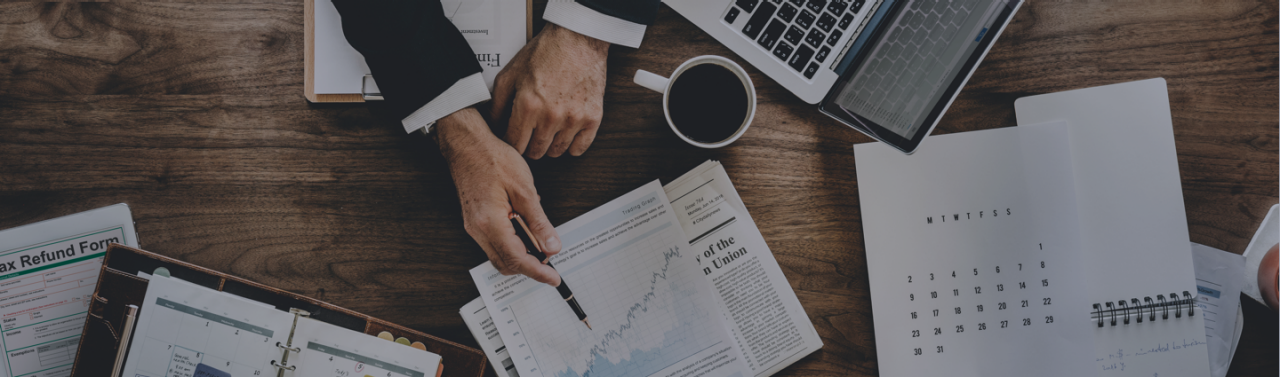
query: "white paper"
973, 255
495, 30
48, 272
339, 68
1133, 223
1268, 235
1218, 279
764, 316
328, 350
631, 269
477, 318
183, 328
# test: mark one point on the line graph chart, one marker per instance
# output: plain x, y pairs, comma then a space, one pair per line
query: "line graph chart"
641, 300
632, 271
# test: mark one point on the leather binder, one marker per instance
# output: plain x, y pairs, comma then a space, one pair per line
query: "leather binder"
119, 286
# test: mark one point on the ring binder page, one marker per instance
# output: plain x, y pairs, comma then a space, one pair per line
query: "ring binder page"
328, 350
284, 366
189, 330
185, 328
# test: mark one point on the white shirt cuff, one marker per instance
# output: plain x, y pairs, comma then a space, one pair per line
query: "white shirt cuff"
586, 21
468, 91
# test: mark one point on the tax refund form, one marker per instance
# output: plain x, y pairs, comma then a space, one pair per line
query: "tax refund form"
48, 272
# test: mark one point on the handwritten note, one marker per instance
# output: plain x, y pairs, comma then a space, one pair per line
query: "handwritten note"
1120, 360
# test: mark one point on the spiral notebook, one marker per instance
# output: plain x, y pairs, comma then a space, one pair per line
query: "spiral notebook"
1133, 226
1052, 249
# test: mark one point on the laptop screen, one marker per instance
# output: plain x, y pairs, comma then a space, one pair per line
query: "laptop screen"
903, 77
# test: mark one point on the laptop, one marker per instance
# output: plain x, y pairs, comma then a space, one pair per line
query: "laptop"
887, 68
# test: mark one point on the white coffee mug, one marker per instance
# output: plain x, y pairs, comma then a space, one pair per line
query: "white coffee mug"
663, 85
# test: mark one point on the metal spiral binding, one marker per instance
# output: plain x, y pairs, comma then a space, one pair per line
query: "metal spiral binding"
1121, 312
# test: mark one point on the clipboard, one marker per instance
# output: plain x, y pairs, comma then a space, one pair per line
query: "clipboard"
369, 90
119, 287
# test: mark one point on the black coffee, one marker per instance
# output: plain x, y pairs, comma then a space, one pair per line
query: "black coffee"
708, 103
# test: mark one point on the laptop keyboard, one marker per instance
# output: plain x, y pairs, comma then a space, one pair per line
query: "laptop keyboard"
801, 33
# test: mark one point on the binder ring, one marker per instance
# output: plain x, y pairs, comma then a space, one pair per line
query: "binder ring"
1138, 307
1112, 311
1125, 310
287, 348
1147, 307
1163, 305
282, 366
1191, 303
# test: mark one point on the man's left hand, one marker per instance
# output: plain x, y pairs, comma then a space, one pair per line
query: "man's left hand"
552, 92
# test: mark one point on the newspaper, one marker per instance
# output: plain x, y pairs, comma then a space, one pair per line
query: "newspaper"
763, 315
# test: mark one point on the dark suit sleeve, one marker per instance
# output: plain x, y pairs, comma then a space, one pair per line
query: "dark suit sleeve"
639, 11
413, 51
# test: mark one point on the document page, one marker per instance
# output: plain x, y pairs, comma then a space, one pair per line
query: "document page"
973, 255
495, 30
48, 272
485, 331
765, 317
185, 330
330, 351
1218, 282
45, 291
630, 267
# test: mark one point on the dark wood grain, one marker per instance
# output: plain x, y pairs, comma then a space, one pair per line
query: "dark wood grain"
193, 114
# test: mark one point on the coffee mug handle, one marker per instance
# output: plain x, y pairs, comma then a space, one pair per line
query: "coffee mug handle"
652, 81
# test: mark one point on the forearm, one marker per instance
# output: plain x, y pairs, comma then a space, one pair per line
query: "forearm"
460, 130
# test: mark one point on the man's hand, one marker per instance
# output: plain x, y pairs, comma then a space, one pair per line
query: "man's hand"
553, 93
493, 181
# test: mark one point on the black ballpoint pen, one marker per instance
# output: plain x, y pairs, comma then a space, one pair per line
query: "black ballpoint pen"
534, 247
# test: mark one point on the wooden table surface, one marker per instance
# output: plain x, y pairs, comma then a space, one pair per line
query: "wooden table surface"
192, 113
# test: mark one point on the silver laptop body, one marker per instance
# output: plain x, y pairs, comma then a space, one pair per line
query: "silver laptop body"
888, 68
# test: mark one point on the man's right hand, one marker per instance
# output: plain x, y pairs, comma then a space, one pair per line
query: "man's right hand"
493, 181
